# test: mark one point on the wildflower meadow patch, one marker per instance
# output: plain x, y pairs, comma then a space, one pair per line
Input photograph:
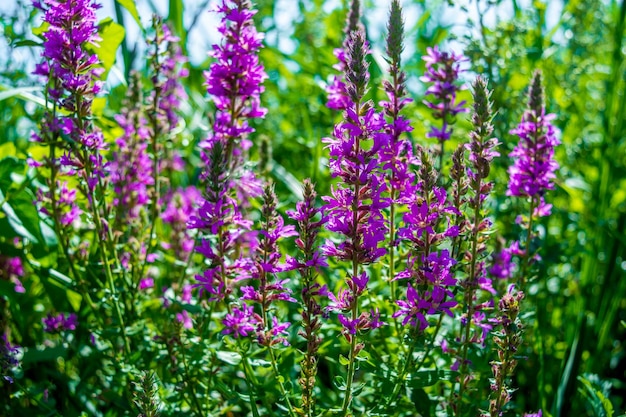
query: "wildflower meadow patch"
399, 219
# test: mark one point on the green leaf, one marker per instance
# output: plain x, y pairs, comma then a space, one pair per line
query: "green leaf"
17, 91
41, 29
231, 358
260, 363
112, 35
131, 7
24, 94
60, 278
428, 378
74, 299
339, 383
23, 216
343, 360
175, 19
26, 42
598, 401
422, 402
8, 166
44, 355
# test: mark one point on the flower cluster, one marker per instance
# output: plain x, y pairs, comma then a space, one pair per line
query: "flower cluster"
442, 70
60, 322
436, 278
180, 207
229, 185
11, 269
131, 166
533, 172
338, 98
72, 72
508, 341
8, 358
266, 265
355, 208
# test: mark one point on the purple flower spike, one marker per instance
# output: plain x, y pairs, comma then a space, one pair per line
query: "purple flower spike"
534, 169
227, 241
60, 322
241, 322
8, 358
442, 71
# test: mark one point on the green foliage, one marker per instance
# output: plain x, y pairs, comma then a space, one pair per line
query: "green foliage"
578, 326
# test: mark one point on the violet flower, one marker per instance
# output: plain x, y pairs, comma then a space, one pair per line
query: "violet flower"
8, 358
266, 265
533, 171
338, 98
433, 292
241, 322
12, 269
60, 322
229, 184
442, 70
355, 206
131, 170
180, 207
72, 72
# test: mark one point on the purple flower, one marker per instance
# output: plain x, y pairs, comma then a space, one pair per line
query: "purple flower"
227, 242
533, 171
184, 318
442, 70
131, 168
338, 97
146, 283
240, 322
72, 71
8, 358
11, 269
503, 264
181, 206
60, 322
435, 282
537, 414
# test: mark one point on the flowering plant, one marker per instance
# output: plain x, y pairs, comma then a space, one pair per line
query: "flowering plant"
166, 261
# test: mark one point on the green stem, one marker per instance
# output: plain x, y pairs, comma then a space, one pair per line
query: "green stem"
281, 385
347, 399
469, 295
191, 384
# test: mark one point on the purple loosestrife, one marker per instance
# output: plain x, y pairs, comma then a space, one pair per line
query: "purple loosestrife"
11, 269
8, 358
533, 171
355, 208
60, 322
131, 165
68, 129
429, 292
229, 184
442, 70
338, 98
508, 341
474, 324
436, 276
180, 206
397, 156
310, 220
72, 73
266, 265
